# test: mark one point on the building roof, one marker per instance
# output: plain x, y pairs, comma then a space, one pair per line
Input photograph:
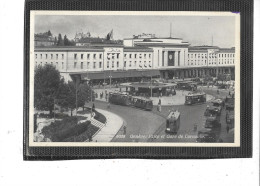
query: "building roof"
137, 49
68, 48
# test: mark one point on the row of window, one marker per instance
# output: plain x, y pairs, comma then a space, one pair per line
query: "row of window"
88, 56
130, 64
52, 63
88, 65
210, 62
210, 55
135, 56
41, 56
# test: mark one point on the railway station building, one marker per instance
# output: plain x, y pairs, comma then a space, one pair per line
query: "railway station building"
137, 57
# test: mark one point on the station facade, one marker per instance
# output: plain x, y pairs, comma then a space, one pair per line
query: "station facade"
136, 57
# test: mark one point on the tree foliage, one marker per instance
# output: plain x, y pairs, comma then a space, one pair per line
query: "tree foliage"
47, 83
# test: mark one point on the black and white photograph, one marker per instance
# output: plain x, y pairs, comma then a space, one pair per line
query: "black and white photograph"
134, 78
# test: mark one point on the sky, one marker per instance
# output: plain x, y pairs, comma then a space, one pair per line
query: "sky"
197, 30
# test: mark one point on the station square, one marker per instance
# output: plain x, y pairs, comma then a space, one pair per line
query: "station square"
149, 66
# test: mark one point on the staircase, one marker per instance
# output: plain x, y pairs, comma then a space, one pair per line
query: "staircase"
97, 124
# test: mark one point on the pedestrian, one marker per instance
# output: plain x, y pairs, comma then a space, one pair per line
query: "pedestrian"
227, 129
160, 108
195, 127
93, 106
124, 129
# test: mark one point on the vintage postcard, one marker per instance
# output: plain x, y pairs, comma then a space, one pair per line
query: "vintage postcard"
130, 78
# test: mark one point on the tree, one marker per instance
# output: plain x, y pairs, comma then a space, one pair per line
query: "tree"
49, 33
47, 83
60, 41
66, 41
83, 95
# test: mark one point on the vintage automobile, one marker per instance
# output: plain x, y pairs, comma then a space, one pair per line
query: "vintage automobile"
206, 136
143, 103
230, 118
170, 91
229, 102
193, 98
219, 103
173, 122
212, 111
212, 122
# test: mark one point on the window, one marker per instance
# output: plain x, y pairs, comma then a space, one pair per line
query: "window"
112, 64
100, 64
41, 56
94, 65
130, 55
135, 63
62, 65
75, 64
144, 56
108, 64
94, 56
35, 56
81, 56
140, 55
88, 65
135, 55
124, 55
81, 65
46, 56
100, 56
225, 55
75, 56
51, 56
130, 63
56, 56
62, 56
125, 64
117, 56
88, 56
117, 64
192, 55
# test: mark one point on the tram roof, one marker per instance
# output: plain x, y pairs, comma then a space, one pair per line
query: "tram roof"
197, 94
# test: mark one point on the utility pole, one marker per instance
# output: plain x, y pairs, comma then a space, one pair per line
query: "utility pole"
151, 87
170, 30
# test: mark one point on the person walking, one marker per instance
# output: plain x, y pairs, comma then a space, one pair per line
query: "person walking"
227, 129
124, 130
93, 106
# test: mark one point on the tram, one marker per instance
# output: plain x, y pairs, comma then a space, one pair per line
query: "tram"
125, 99
187, 85
193, 98
143, 103
120, 98
173, 122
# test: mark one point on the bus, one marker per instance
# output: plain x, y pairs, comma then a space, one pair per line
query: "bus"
193, 98
173, 122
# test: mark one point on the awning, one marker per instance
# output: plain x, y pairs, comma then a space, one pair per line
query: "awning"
117, 74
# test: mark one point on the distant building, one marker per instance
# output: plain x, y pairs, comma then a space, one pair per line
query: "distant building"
44, 39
